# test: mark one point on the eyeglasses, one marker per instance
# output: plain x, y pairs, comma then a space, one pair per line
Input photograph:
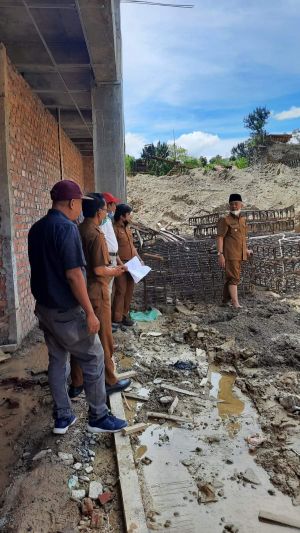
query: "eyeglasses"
103, 209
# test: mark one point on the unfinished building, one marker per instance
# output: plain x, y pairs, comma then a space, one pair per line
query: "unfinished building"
61, 117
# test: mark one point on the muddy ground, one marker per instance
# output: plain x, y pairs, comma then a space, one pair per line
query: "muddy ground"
257, 347
36, 490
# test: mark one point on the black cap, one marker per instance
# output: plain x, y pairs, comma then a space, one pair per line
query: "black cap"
235, 198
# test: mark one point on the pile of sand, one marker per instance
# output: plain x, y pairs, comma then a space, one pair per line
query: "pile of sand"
171, 200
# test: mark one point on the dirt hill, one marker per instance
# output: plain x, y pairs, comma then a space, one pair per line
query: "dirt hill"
173, 199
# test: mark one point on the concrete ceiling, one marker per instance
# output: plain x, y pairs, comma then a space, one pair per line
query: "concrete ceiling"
61, 48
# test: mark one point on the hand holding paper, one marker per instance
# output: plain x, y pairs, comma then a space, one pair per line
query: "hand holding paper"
136, 269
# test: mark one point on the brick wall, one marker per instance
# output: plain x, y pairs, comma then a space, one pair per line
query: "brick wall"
3, 298
34, 168
88, 173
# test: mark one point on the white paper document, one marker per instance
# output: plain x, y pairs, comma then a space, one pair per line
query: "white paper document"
136, 269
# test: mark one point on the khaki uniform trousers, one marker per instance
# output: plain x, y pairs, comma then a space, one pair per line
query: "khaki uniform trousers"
124, 286
232, 276
102, 311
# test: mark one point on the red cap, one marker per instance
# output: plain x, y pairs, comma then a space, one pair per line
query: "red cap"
66, 190
109, 198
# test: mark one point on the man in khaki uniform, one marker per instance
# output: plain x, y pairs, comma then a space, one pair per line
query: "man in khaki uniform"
232, 248
124, 284
99, 274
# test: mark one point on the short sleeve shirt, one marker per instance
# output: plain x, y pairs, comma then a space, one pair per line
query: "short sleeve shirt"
96, 255
54, 246
125, 241
234, 231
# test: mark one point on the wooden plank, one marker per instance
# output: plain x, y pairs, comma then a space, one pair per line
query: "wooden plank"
4, 357
135, 428
166, 416
173, 405
8, 347
134, 514
133, 396
180, 391
279, 519
126, 375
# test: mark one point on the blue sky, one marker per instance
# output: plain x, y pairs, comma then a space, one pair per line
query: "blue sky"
200, 71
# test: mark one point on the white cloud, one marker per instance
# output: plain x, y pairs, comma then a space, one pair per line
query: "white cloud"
200, 143
293, 112
134, 144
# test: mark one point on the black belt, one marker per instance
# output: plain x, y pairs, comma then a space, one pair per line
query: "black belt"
113, 254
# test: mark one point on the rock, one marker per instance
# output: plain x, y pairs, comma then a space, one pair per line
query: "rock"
66, 458
157, 381
296, 500
78, 494
73, 482
231, 528
106, 497
41, 454
165, 400
89, 469
84, 478
77, 466
96, 520
146, 460
87, 506
200, 353
187, 462
179, 338
95, 489
251, 477
91, 453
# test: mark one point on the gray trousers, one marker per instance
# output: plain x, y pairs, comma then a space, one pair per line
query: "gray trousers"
66, 332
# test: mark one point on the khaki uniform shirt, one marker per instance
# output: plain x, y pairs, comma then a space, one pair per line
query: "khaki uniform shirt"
234, 231
96, 255
125, 241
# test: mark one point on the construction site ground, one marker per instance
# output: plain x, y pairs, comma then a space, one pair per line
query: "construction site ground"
231, 377
198, 471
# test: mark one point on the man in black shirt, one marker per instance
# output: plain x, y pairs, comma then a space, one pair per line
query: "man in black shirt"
65, 312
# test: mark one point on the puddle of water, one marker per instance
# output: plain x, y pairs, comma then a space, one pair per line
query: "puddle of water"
231, 407
181, 457
140, 451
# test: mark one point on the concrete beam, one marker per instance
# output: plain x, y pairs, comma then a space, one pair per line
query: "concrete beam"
99, 28
9, 270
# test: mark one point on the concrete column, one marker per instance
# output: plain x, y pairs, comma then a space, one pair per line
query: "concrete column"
108, 122
7, 255
109, 151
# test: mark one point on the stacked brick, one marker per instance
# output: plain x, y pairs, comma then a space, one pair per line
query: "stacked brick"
34, 166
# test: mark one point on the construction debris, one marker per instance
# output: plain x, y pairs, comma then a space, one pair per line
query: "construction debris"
166, 416
135, 428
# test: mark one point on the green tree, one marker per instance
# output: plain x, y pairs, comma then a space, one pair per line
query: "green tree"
216, 160
256, 122
177, 153
202, 161
156, 158
129, 165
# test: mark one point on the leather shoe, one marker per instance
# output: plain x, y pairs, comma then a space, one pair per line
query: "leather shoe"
117, 387
127, 321
75, 391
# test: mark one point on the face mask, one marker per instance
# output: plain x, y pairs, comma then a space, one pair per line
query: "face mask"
236, 213
110, 215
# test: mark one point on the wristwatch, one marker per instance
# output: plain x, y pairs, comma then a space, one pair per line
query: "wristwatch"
220, 253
